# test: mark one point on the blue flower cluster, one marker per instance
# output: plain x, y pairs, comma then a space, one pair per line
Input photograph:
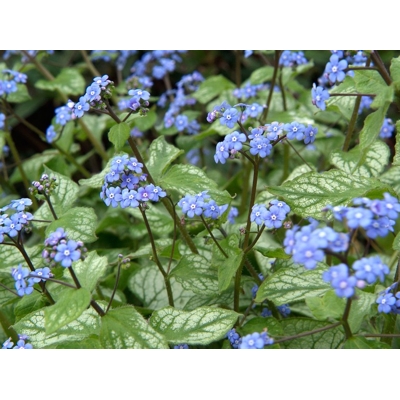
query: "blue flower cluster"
201, 204
292, 58
181, 346
119, 56
8, 86
256, 341
158, 62
124, 184
25, 279
45, 185
2, 120
93, 98
376, 217
248, 91
234, 338
387, 129
389, 301
260, 139
283, 309
61, 250
21, 344
272, 217
180, 98
16, 218
319, 95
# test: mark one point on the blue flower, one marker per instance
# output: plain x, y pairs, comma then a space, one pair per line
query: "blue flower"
335, 69
370, 269
113, 196
234, 140
51, 134
134, 165
319, 96
144, 193
260, 146
129, 181
274, 129
41, 274
233, 213
366, 102
387, 129
93, 92
234, 338
23, 284
2, 119
67, 253
258, 214
284, 310
385, 302
274, 217
8, 344
309, 134
254, 110
358, 216
229, 117
141, 94
20, 204
181, 122
294, 130
128, 198
255, 341
221, 152
156, 192
81, 106
192, 206
63, 115
181, 346
118, 163
102, 81
211, 210
307, 254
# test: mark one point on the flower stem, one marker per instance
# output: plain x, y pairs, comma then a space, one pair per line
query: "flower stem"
213, 237
345, 317
50, 206
156, 259
115, 285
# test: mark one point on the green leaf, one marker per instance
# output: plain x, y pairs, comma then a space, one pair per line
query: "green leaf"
119, 134
212, 87
161, 155
258, 324
372, 126
194, 273
289, 285
125, 328
148, 285
69, 82
271, 252
392, 178
20, 95
62, 198
344, 105
202, 326
328, 339
90, 270
368, 162
68, 308
396, 158
96, 181
79, 223
227, 267
33, 325
10, 257
189, 179
396, 242
87, 343
395, 69
326, 307
368, 81
360, 309
358, 342
310, 193
261, 75
29, 304
223, 300
33, 166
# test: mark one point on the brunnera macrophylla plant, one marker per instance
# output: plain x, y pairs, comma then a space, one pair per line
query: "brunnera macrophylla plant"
164, 203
